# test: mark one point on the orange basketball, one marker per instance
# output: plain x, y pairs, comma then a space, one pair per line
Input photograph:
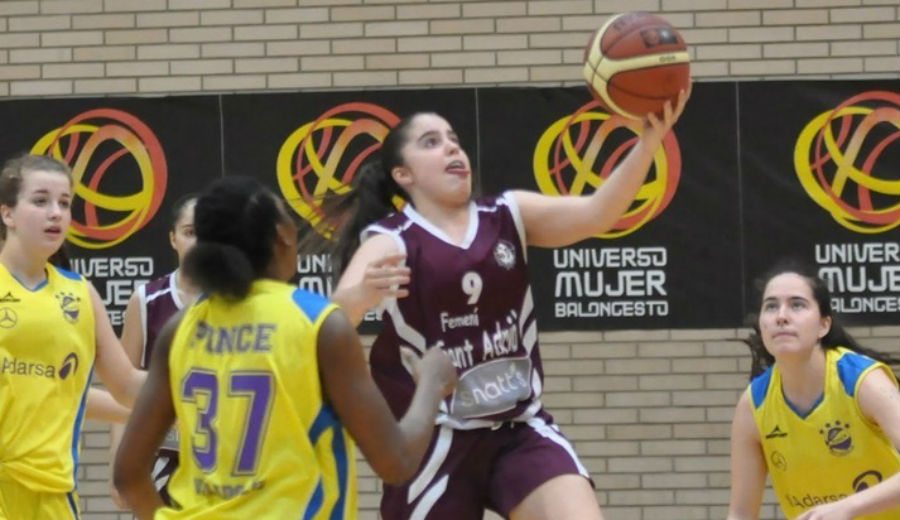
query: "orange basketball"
635, 62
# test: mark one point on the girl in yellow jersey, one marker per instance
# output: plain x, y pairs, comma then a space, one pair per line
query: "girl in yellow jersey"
268, 383
54, 332
821, 415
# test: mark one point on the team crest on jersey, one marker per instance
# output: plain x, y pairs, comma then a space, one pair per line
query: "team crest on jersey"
8, 318
837, 438
70, 305
505, 254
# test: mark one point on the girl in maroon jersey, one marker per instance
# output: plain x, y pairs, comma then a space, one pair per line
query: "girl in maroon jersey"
148, 310
450, 272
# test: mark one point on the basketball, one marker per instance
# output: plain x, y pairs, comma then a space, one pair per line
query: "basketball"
634, 63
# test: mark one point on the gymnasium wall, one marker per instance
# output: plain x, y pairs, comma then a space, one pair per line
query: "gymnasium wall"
648, 411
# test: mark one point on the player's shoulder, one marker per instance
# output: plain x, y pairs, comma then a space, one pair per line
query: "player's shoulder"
155, 288
502, 207
159, 283
493, 202
852, 367
392, 221
67, 274
759, 387
68, 281
312, 305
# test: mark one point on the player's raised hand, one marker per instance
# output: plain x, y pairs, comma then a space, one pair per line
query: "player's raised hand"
386, 277
657, 127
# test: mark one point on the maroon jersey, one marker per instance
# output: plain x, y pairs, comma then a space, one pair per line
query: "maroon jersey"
474, 301
159, 302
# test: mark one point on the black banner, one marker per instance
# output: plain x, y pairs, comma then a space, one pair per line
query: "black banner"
820, 166
752, 172
673, 260
131, 160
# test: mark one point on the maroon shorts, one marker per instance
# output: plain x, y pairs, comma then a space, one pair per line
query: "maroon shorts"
468, 471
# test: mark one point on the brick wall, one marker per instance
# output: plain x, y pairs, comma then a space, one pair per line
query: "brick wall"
93, 47
648, 411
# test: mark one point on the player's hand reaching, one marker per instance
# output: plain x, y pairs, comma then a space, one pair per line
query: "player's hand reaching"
385, 278
656, 128
377, 271
435, 366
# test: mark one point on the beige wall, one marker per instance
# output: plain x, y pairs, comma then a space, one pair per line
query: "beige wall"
95, 47
648, 411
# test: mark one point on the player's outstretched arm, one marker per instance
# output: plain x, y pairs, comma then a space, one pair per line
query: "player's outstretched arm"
132, 340
123, 380
101, 406
560, 221
879, 401
748, 466
394, 450
153, 415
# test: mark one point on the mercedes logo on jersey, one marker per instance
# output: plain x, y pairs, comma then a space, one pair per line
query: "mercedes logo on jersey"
8, 318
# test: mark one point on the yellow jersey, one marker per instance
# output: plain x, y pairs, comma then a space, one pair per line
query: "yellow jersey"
47, 350
830, 452
258, 439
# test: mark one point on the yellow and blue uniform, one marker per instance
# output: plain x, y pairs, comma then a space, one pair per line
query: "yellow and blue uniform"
258, 439
831, 451
47, 351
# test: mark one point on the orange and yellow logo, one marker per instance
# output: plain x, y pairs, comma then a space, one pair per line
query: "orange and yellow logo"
95, 144
836, 158
566, 163
324, 155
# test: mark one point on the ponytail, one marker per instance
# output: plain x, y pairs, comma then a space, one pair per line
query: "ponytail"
235, 221
370, 199
346, 215
220, 269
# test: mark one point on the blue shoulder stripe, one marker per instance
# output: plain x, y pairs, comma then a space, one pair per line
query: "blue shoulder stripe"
311, 304
68, 274
759, 386
850, 367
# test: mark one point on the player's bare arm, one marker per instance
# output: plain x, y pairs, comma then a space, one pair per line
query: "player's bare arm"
154, 414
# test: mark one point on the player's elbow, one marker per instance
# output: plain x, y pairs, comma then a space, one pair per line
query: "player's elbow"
397, 470
123, 479
127, 475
